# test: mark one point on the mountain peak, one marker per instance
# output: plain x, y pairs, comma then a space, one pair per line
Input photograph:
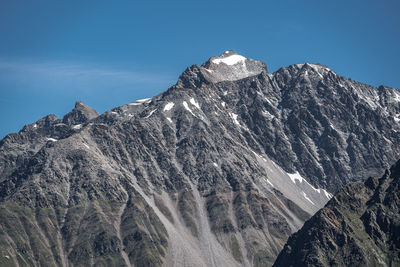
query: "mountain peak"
80, 105
80, 114
229, 57
230, 66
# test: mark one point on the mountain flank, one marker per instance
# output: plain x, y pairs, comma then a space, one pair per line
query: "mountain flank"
360, 226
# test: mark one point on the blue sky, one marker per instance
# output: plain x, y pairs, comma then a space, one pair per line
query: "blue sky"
108, 53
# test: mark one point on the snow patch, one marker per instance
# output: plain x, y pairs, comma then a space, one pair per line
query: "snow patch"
223, 103
187, 107
295, 176
88, 147
144, 100
51, 139
140, 101
234, 117
230, 60
77, 127
194, 103
169, 119
306, 197
35, 125
328, 195
169, 106
215, 164
267, 114
270, 183
151, 113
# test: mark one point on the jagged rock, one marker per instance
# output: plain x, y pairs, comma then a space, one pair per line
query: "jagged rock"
82, 113
231, 67
359, 226
15, 149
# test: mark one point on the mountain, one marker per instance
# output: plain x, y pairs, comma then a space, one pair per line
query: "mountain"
219, 170
360, 226
16, 149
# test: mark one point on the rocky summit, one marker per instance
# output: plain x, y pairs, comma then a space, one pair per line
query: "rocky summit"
218, 170
360, 226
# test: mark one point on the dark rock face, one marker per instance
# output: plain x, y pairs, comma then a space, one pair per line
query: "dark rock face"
360, 226
218, 170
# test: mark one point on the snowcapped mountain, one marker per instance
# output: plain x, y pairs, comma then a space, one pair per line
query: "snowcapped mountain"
218, 170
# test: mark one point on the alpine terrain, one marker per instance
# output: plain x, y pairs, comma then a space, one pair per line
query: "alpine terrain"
218, 170
360, 226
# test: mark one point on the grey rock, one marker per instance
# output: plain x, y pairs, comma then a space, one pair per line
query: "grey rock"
218, 170
80, 114
231, 67
358, 227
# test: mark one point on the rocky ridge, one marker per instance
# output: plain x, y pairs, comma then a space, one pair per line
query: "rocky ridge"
359, 226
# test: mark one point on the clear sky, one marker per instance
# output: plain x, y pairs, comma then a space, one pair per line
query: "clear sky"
108, 53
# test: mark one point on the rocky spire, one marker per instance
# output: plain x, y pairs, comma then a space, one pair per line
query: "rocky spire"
80, 114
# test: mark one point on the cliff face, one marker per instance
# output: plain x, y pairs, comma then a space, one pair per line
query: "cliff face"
360, 226
218, 170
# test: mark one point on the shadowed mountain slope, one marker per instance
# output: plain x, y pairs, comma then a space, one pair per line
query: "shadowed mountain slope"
360, 226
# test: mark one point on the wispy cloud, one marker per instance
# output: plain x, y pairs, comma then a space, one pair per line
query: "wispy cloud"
77, 74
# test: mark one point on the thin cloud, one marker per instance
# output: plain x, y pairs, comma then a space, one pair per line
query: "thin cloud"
77, 73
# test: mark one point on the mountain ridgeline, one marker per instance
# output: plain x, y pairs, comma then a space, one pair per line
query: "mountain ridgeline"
360, 226
218, 170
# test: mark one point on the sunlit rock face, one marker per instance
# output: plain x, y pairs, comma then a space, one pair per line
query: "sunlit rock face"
231, 67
